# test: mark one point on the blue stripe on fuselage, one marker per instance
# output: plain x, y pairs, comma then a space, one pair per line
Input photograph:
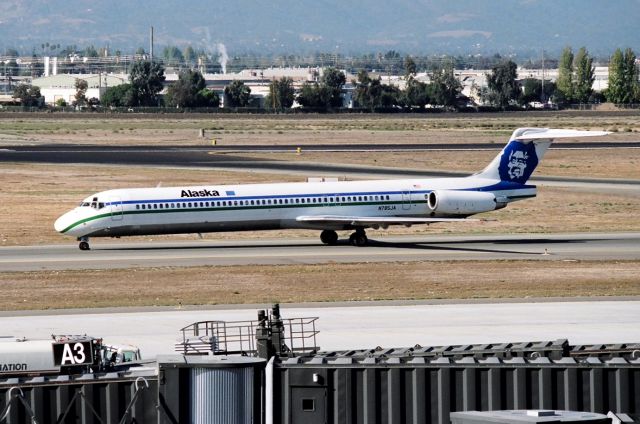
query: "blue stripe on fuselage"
502, 185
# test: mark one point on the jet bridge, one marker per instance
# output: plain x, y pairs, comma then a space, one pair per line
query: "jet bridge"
271, 370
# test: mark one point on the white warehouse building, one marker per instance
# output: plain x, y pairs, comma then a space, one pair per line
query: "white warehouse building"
63, 86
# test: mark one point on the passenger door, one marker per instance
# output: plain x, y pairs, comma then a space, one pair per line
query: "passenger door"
116, 208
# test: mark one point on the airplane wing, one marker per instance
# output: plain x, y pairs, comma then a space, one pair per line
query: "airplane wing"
368, 221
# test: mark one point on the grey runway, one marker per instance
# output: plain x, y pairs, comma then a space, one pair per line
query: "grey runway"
587, 246
355, 326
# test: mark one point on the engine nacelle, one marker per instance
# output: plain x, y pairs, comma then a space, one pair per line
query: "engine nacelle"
461, 202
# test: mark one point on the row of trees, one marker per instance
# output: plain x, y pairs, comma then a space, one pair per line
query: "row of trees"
575, 77
624, 86
574, 84
146, 80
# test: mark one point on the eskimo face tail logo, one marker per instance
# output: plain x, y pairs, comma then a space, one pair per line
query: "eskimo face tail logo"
518, 162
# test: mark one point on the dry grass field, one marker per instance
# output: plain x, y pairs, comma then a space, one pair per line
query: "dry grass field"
330, 282
230, 130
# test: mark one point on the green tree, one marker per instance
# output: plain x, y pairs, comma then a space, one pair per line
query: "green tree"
392, 61
81, 91
584, 76
502, 87
416, 94
147, 80
532, 90
190, 54
623, 78
410, 68
140, 51
61, 102
631, 72
311, 96
208, 98
564, 83
390, 96
445, 87
332, 81
11, 52
90, 52
237, 94
190, 91
28, 95
281, 94
118, 96
325, 94
368, 91
172, 55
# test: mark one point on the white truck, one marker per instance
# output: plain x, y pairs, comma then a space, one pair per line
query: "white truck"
62, 354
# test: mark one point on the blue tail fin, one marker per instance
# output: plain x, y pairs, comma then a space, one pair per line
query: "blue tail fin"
518, 161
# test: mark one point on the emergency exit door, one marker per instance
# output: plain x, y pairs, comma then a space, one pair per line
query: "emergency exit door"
406, 200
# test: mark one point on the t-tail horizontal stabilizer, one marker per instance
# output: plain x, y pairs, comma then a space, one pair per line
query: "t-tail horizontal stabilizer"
525, 150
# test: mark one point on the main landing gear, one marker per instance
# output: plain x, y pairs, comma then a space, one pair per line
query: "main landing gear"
84, 243
358, 238
329, 237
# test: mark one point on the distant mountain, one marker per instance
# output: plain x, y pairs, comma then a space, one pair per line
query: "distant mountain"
281, 26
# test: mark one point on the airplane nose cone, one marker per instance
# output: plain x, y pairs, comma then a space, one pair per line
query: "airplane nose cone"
62, 223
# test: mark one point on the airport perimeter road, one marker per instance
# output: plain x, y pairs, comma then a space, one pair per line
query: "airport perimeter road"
356, 327
588, 246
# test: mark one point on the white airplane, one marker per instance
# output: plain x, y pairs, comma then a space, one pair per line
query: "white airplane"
325, 206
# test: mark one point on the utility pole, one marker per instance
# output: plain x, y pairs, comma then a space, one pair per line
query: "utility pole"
151, 45
542, 96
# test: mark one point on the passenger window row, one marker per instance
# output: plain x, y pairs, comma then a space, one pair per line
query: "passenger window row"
263, 202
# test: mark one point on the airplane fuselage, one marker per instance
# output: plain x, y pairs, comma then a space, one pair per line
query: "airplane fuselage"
201, 209
326, 206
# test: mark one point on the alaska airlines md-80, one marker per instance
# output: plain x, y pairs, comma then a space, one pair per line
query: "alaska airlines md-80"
324, 206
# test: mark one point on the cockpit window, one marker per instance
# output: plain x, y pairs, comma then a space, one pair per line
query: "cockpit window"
100, 205
83, 204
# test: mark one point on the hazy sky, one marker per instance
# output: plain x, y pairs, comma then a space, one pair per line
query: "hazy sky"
420, 26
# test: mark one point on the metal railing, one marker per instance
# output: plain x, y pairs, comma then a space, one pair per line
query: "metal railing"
239, 337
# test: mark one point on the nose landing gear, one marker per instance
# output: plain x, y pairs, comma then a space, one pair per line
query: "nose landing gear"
84, 243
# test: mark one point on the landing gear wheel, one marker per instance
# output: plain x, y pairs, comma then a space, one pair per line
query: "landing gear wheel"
329, 237
358, 239
84, 243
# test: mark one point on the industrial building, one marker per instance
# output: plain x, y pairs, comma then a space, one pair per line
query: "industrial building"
63, 86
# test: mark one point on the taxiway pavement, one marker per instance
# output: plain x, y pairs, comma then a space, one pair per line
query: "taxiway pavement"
586, 246
218, 158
